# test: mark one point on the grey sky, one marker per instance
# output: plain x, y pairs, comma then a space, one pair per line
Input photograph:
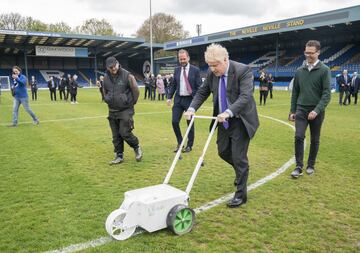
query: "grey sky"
214, 15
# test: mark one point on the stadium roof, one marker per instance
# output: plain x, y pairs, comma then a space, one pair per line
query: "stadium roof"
337, 19
16, 42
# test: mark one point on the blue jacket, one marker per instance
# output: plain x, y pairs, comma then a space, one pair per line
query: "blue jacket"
19, 84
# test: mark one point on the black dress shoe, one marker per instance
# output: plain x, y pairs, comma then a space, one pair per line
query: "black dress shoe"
187, 150
177, 148
235, 182
236, 202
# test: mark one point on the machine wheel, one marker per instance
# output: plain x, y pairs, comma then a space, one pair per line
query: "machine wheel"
115, 227
181, 219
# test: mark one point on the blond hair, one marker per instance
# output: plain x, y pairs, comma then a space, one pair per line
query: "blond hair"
215, 52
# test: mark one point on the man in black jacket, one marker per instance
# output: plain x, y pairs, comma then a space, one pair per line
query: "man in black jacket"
354, 87
344, 83
52, 88
34, 88
62, 84
121, 94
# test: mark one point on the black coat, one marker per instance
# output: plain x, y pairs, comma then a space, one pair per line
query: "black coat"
33, 85
238, 91
50, 85
73, 87
356, 87
346, 84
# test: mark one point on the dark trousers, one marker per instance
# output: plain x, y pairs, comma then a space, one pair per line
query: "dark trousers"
34, 94
180, 106
301, 123
341, 95
53, 94
162, 96
61, 93
355, 98
67, 93
102, 94
263, 94
73, 97
121, 130
271, 94
152, 93
233, 144
347, 97
147, 92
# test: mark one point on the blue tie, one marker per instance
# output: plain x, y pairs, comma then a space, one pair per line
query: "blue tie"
223, 99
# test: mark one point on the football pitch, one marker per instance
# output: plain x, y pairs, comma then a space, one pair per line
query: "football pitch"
57, 188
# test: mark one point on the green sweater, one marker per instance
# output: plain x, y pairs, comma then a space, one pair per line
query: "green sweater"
311, 89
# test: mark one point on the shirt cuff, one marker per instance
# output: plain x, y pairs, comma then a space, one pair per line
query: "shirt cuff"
191, 109
229, 112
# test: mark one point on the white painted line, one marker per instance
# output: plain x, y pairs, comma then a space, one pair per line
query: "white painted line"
103, 240
81, 118
81, 246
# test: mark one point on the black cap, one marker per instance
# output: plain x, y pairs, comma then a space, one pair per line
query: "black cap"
111, 61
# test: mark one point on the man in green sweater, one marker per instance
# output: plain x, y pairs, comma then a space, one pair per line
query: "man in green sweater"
310, 96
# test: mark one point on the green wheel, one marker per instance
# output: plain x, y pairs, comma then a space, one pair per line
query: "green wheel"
181, 219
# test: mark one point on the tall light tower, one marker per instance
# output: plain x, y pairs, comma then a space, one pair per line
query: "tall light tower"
198, 29
151, 48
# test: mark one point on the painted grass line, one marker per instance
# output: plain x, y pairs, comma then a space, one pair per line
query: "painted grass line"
80, 118
104, 240
62, 102
85, 118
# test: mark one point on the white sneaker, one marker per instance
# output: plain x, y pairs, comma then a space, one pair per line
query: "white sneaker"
72, 103
76, 102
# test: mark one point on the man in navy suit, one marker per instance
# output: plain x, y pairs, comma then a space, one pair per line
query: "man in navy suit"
344, 84
186, 83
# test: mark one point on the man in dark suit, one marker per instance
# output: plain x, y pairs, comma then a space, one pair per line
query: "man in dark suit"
231, 84
344, 84
52, 88
62, 85
185, 85
355, 85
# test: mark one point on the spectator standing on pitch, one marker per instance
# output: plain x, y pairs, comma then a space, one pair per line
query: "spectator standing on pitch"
19, 91
34, 88
62, 85
73, 89
160, 87
121, 94
52, 85
185, 85
271, 81
263, 87
166, 84
152, 87
344, 83
354, 87
67, 86
147, 85
310, 96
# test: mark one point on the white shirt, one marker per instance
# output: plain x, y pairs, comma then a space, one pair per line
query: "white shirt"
311, 66
183, 89
219, 90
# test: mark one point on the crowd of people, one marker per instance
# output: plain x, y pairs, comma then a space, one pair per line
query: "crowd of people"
348, 85
65, 86
159, 84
